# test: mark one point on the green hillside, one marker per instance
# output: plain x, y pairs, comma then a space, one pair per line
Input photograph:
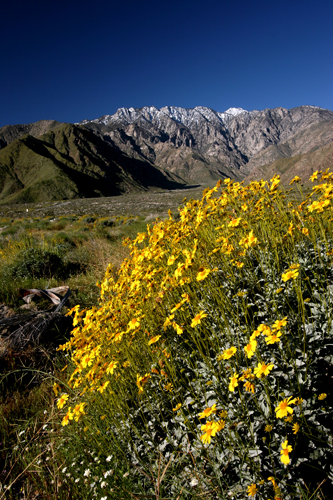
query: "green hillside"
72, 162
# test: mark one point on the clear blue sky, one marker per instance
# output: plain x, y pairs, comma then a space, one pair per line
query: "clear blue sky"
70, 60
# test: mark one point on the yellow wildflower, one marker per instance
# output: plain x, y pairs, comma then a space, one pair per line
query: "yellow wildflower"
168, 321
233, 382
202, 274
286, 449
275, 182
141, 381
221, 425
238, 264
283, 409
290, 229
322, 396
315, 175
67, 417
263, 370
208, 411
179, 270
79, 411
62, 400
210, 429
103, 386
274, 337
134, 323
154, 339
249, 386
249, 241
227, 353
197, 319
268, 428
250, 348
290, 275
111, 367
273, 481
177, 407
279, 323
295, 179
178, 328
264, 329
296, 427
252, 490
247, 374
318, 206
171, 260
235, 222
56, 388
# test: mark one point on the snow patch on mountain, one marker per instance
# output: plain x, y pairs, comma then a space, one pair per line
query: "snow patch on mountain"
188, 117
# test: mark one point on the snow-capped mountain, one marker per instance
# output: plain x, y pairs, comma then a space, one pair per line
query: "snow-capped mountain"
187, 117
233, 142
149, 148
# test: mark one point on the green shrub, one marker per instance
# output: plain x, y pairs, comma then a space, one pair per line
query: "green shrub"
212, 349
37, 263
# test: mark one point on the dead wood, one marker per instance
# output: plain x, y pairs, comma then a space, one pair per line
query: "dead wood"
20, 330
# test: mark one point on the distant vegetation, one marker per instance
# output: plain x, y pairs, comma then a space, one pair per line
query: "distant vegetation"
73, 162
201, 368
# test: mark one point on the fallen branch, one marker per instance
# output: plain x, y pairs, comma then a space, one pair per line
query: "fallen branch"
30, 327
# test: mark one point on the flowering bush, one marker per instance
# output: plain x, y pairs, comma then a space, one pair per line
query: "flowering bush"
212, 347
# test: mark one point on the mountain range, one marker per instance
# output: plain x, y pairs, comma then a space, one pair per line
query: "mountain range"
167, 148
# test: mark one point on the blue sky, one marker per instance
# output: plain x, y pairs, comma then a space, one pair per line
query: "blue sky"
77, 59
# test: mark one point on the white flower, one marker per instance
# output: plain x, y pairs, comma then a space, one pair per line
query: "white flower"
126, 474
44, 427
87, 473
77, 480
92, 485
109, 458
104, 498
64, 469
108, 473
103, 484
194, 482
45, 412
20, 433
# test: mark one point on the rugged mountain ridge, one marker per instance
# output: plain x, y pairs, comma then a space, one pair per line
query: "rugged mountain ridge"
139, 149
230, 143
9, 133
73, 162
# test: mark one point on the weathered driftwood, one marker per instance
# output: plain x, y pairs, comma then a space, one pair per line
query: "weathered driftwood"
28, 294
17, 331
